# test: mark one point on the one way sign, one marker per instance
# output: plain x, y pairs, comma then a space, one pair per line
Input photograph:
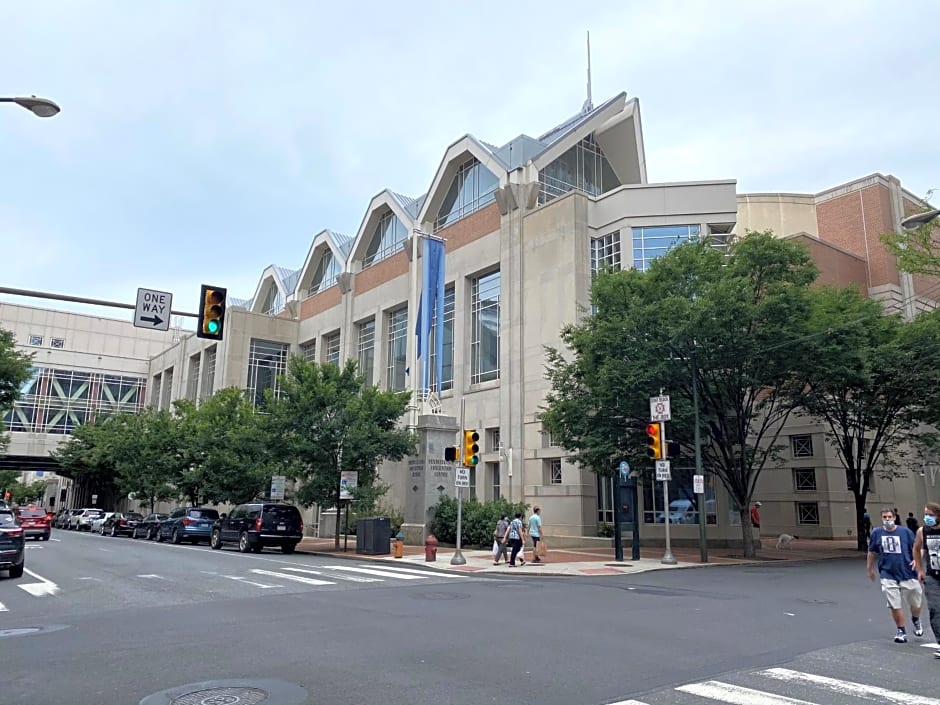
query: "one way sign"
153, 309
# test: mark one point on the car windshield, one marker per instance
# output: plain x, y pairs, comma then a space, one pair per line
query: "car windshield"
94, 512
134, 515
28, 513
202, 514
6, 518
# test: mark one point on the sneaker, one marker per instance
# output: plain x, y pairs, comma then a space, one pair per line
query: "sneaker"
900, 637
918, 628
936, 654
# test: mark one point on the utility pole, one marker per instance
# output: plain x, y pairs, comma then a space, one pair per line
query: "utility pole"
702, 507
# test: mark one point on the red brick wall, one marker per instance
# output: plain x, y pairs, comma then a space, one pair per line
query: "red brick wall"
386, 270
320, 302
836, 268
473, 227
855, 222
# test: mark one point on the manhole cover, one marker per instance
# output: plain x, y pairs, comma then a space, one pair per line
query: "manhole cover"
223, 696
4, 633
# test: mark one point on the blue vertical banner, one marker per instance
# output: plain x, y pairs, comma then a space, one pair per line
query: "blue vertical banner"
431, 304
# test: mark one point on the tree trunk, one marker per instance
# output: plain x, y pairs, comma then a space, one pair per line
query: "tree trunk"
861, 541
747, 532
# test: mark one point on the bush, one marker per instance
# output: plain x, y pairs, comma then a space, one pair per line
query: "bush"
605, 530
477, 523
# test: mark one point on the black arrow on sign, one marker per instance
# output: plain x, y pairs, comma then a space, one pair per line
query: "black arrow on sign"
156, 320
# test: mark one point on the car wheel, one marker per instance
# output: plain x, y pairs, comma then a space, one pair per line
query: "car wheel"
215, 541
151, 534
243, 544
17, 570
114, 530
288, 548
176, 536
45, 537
159, 536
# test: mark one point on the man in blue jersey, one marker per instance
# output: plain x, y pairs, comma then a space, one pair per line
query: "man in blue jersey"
892, 548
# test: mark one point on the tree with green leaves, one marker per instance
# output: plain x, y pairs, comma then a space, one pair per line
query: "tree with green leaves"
733, 320
224, 448
89, 457
918, 249
874, 382
14, 371
26, 492
325, 420
147, 454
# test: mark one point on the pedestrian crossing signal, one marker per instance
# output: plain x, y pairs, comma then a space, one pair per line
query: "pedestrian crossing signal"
211, 312
450, 454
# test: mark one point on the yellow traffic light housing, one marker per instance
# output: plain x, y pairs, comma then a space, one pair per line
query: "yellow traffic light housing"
211, 322
654, 441
471, 449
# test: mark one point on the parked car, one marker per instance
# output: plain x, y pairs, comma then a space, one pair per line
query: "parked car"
97, 526
148, 526
256, 525
63, 517
35, 522
188, 523
82, 519
121, 523
12, 544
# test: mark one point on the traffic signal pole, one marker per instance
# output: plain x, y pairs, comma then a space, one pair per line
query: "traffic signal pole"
458, 557
48, 295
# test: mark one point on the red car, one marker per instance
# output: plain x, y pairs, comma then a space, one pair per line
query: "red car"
35, 522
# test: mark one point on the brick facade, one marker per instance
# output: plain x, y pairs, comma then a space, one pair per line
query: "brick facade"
320, 302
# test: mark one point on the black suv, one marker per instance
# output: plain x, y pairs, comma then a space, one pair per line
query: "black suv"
254, 526
12, 544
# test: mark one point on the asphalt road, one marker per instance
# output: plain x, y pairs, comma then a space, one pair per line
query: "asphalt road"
127, 619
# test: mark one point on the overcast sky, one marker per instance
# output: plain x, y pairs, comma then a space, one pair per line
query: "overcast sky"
201, 141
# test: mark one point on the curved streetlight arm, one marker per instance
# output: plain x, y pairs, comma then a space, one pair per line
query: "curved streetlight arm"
40, 107
913, 222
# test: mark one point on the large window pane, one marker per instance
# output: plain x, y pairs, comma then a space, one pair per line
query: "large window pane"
650, 243
473, 187
447, 366
484, 328
683, 502
397, 348
324, 276
386, 240
266, 362
367, 350
584, 168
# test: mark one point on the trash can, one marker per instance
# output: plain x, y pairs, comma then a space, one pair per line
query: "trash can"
374, 536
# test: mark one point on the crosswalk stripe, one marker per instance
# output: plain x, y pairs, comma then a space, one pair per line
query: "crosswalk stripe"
240, 579
931, 646
849, 688
382, 574
3, 608
448, 576
295, 578
350, 578
737, 695
627, 702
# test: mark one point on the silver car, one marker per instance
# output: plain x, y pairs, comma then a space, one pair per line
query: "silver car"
82, 520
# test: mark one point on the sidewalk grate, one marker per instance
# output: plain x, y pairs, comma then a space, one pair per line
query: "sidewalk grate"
223, 696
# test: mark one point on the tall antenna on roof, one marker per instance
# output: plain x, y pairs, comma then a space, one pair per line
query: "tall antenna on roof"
588, 104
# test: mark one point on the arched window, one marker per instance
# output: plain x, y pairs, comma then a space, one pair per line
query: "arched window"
324, 276
473, 187
273, 303
386, 239
584, 167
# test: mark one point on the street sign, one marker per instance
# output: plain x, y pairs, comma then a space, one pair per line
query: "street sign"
94, 499
663, 473
624, 470
462, 478
348, 481
698, 484
277, 486
659, 409
153, 309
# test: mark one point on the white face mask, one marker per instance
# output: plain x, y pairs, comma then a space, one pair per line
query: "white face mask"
888, 523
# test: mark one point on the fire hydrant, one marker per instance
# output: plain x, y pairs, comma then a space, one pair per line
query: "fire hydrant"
400, 545
430, 548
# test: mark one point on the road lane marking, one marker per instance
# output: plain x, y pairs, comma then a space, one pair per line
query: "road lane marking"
627, 702
350, 578
52, 539
97, 580
737, 695
392, 569
382, 574
105, 550
931, 646
240, 579
3, 608
152, 576
40, 589
849, 688
295, 578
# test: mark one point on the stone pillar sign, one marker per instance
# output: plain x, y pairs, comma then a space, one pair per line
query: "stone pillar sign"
429, 476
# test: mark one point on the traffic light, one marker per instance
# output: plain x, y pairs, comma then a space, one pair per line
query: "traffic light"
654, 441
471, 450
451, 454
211, 312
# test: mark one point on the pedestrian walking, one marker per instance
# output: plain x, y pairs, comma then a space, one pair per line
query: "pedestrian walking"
927, 563
516, 534
535, 533
892, 548
755, 515
500, 547
911, 522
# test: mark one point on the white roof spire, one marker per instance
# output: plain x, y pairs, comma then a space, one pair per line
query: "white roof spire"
589, 103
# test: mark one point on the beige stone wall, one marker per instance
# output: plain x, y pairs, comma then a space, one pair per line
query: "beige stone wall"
784, 213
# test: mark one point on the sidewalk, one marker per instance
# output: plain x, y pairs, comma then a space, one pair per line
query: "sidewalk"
592, 561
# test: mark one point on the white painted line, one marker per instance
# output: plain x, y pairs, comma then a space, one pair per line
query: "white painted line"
3, 608
424, 573
105, 550
737, 695
42, 588
97, 580
295, 578
350, 578
34, 546
51, 539
627, 702
931, 646
240, 579
382, 574
152, 576
849, 688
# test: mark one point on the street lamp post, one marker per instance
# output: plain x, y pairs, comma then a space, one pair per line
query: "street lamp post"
40, 107
912, 222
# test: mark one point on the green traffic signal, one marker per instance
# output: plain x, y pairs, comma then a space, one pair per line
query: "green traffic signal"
212, 326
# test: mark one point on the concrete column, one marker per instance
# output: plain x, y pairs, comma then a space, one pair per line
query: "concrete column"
429, 477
